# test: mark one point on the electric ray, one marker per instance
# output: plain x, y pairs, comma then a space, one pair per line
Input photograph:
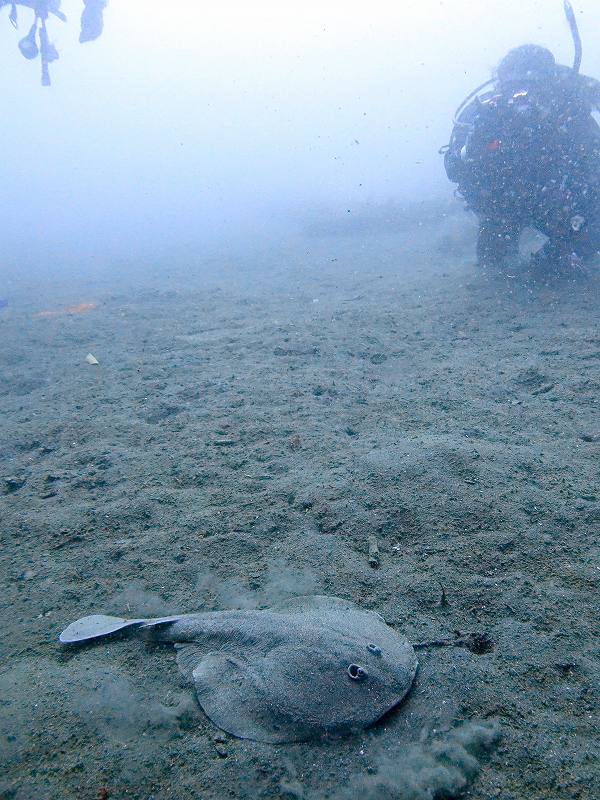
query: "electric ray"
310, 666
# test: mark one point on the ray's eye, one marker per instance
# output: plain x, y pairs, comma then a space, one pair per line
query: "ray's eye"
357, 673
372, 648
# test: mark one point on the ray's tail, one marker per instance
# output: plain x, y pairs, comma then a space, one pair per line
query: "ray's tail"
96, 626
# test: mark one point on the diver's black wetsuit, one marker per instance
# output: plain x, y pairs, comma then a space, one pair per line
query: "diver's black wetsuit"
528, 155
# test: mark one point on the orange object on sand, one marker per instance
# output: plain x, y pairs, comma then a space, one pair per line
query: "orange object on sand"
81, 308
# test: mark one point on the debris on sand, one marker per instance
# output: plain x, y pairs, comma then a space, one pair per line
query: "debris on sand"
443, 602
80, 308
373, 552
478, 643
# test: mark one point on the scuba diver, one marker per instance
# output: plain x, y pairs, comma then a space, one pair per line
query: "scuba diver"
526, 153
36, 42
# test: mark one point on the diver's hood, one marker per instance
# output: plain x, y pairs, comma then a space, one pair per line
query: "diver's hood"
527, 63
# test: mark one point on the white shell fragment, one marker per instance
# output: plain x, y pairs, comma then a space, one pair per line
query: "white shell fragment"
577, 222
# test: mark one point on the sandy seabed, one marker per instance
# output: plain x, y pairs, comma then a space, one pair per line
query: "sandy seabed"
253, 420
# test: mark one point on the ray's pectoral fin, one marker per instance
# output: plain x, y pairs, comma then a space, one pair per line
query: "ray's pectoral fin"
230, 693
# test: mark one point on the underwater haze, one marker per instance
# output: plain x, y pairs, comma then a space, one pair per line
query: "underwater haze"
256, 347
186, 124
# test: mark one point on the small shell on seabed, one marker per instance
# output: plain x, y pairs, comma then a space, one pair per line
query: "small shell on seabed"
577, 222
